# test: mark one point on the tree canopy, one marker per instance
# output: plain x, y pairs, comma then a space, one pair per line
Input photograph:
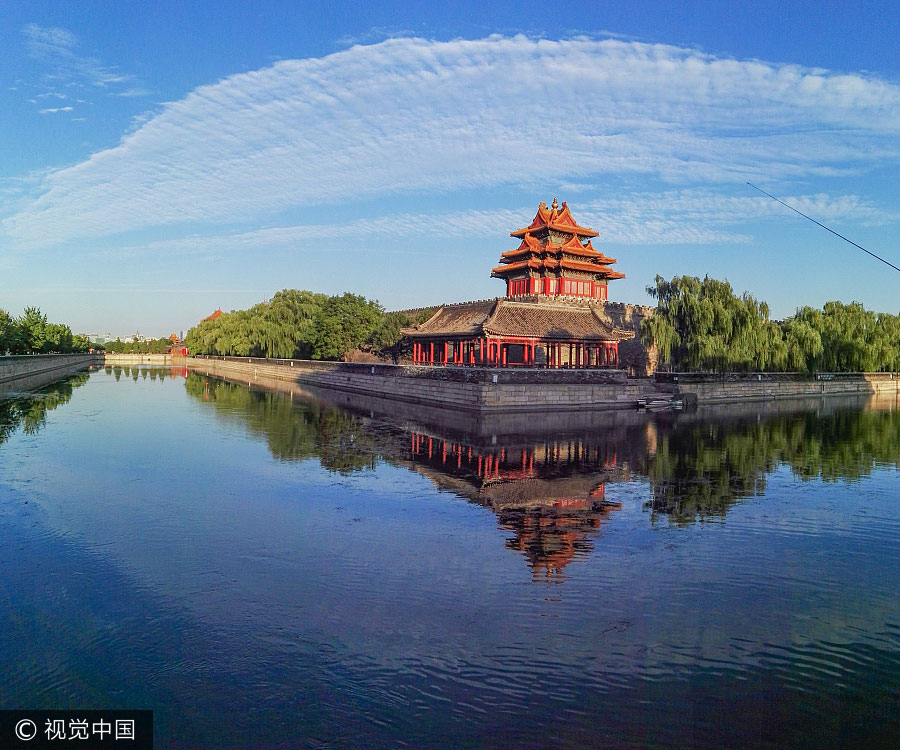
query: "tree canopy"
31, 333
297, 324
702, 325
154, 346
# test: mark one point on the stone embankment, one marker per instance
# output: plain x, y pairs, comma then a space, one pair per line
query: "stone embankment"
539, 392
160, 360
468, 388
711, 389
24, 372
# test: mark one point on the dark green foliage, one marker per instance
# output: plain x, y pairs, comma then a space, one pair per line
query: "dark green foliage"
297, 324
705, 326
343, 324
33, 334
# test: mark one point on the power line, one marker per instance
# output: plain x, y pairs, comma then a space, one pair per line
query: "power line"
836, 234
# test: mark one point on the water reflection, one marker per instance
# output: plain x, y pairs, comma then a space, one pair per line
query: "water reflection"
551, 496
145, 372
550, 490
701, 467
29, 411
165, 559
341, 441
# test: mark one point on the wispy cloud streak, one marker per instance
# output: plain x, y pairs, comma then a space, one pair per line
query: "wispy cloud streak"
672, 218
409, 115
64, 67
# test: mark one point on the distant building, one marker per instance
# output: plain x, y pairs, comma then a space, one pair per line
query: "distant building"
217, 314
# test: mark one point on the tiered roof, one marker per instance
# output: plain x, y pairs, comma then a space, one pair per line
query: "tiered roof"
504, 317
556, 218
541, 253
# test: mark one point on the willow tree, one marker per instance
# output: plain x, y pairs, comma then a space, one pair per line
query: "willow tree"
704, 325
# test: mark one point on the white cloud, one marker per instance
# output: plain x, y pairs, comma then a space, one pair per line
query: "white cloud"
408, 115
56, 52
693, 217
50, 110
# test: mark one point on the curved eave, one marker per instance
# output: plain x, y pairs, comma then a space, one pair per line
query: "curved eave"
552, 264
580, 231
572, 249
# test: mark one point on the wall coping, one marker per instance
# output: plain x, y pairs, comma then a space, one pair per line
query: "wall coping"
454, 373
768, 377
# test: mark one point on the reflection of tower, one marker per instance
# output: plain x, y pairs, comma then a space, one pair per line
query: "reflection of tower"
550, 495
552, 535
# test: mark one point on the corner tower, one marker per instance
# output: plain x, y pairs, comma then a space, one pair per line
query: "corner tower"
556, 259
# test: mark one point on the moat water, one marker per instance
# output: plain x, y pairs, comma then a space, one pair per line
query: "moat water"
271, 570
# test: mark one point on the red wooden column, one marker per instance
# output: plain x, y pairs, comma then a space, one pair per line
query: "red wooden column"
616, 353
431, 360
472, 352
503, 352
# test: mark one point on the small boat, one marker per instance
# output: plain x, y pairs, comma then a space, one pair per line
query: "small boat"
656, 404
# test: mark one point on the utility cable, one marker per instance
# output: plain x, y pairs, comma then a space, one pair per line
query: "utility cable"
836, 234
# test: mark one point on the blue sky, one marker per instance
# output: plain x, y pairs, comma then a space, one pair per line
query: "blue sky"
161, 160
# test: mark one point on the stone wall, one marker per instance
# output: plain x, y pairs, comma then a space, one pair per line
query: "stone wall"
22, 372
160, 360
771, 386
466, 388
637, 359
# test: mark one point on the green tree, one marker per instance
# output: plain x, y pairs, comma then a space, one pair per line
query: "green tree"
704, 325
345, 323
32, 331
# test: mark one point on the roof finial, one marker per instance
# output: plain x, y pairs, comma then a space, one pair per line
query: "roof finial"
555, 205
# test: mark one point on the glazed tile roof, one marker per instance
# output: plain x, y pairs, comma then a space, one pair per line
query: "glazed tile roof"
464, 319
547, 321
503, 317
543, 256
532, 246
555, 217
